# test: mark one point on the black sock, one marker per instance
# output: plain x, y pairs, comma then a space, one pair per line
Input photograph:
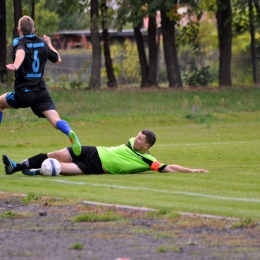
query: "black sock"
33, 162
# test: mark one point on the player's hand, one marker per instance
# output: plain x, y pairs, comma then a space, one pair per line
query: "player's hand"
47, 39
11, 67
199, 170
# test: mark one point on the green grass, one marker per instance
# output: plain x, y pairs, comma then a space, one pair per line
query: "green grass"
77, 246
227, 143
92, 217
9, 215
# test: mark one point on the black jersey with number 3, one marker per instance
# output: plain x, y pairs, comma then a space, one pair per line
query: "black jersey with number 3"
29, 76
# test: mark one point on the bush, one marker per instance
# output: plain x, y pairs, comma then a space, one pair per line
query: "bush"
197, 77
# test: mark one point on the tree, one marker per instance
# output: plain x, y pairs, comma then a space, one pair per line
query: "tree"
152, 30
17, 15
95, 77
33, 9
72, 13
168, 23
253, 41
224, 23
112, 83
133, 11
46, 21
142, 56
3, 40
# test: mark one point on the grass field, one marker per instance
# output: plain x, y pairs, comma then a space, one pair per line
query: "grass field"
215, 130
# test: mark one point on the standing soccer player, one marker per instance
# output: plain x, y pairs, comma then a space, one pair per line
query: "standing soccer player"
30, 54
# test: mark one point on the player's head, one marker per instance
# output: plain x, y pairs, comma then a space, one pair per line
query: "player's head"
26, 25
150, 136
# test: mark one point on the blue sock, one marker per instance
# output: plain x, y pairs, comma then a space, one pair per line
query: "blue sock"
1, 117
63, 126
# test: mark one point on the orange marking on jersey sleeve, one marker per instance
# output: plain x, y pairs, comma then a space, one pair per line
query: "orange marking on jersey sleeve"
155, 166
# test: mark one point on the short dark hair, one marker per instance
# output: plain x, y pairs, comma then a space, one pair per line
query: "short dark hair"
149, 136
26, 25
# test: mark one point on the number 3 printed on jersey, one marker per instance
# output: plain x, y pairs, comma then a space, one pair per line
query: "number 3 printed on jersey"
36, 62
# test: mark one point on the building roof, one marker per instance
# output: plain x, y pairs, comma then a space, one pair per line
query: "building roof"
123, 33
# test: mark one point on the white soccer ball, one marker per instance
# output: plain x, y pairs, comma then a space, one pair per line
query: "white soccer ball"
50, 167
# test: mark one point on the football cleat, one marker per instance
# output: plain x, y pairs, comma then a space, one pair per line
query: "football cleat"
32, 172
76, 146
9, 165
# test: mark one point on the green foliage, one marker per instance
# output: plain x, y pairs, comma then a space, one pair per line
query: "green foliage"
164, 213
126, 62
188, 35
8, 215
77, 246
243, 223
73, 14
131, 11
75, 84
164, 249
208, 35
46, 21
9, 21
93, 217
240, 18
195, 76
66, 7
30, 197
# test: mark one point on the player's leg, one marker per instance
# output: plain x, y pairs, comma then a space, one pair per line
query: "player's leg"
10, 166
35, 162
54, 118
67, 166
32, 162
62, 155
70, 169
44, 106
67, 169
4, 104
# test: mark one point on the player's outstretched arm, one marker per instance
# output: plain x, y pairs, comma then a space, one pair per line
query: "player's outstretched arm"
47, 39
177, 168
19, 57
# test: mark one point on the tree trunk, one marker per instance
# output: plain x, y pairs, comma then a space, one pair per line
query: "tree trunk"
17, 15
94, 81
142, 56
33, 8
253, 42
152, 52
257, 7
224, 22
111, 79
159, 31
3, 40
170, 51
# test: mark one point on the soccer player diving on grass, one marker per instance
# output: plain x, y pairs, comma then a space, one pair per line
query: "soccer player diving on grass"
132, 157
30, 54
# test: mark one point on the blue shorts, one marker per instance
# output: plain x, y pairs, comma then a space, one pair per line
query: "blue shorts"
38, 101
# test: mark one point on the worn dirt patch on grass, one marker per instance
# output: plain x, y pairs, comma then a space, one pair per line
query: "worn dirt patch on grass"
46, 229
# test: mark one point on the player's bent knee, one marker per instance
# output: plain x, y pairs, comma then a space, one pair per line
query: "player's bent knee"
61, 155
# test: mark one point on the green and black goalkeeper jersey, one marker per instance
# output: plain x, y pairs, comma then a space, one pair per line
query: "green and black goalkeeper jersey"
122, 159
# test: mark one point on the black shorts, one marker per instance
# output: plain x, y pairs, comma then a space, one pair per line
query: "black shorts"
38, 101
88, 161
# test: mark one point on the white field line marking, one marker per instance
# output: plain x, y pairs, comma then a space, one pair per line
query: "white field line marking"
193, 194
